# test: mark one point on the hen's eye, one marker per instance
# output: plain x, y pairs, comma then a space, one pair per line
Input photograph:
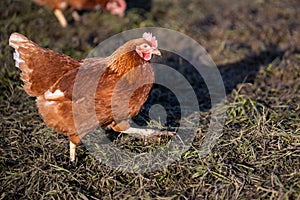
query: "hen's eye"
146, 46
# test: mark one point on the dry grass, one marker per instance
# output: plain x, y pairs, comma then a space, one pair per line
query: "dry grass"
256, 47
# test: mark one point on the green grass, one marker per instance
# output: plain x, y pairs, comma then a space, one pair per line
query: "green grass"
256, 47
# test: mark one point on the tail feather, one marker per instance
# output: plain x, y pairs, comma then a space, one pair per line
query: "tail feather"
40, 67
17, 41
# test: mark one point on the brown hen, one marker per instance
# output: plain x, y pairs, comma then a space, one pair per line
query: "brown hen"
69, 91
116, 7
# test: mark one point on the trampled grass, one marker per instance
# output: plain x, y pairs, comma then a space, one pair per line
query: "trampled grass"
256, 48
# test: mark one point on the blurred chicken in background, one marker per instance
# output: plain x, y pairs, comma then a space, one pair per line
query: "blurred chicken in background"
115, 7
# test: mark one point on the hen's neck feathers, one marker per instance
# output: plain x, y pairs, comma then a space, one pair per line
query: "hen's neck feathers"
125, 57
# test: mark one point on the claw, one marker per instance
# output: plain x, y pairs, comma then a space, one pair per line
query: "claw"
72, 151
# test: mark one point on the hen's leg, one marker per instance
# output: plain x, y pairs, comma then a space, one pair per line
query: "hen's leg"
124, 127
72, 151
61, 18
147, 133
76, 16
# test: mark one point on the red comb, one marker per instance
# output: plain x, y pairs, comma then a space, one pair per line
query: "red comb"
151, 39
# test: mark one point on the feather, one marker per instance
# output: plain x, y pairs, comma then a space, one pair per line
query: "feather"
35, 62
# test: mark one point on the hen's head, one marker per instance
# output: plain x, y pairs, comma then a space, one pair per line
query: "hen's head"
133, 53
116, 7
147, 47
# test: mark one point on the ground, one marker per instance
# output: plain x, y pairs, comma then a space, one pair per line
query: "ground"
255, 45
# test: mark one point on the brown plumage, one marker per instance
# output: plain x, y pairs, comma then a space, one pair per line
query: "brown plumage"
63, 85
115, 7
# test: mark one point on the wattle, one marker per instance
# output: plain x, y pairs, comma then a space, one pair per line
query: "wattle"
147, 56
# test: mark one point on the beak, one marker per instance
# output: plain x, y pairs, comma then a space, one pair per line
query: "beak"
156, 52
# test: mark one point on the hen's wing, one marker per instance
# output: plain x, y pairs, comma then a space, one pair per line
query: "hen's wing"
41, 67
83, 79
68, 106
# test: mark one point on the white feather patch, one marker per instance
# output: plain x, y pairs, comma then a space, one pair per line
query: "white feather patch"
53, 96
44, 102
17, 59
17, 40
